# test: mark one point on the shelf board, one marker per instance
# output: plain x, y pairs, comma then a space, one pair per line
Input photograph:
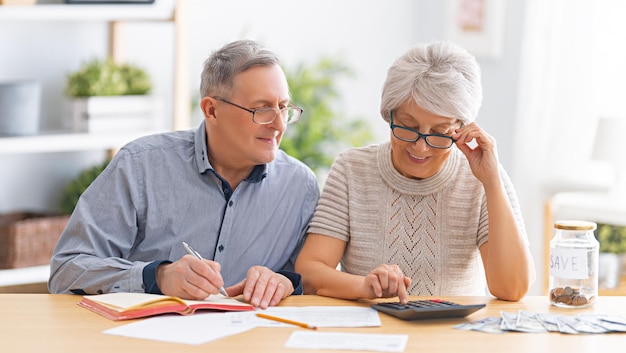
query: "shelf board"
25, 275
162, 10
67, 142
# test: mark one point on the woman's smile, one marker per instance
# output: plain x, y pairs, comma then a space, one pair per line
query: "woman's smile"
418, 159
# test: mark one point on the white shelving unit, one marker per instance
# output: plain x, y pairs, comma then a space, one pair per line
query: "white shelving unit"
115, 15
66, 142
26, 275
160, 10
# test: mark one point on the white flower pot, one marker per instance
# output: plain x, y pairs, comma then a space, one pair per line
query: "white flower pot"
19, 107
100, 114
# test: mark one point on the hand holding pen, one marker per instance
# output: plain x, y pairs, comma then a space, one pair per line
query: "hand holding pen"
188, 278
262, 287
193, 252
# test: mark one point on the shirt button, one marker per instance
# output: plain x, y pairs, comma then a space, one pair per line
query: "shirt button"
221, 248
230, 203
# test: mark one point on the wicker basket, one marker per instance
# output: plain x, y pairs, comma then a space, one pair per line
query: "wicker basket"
28, 239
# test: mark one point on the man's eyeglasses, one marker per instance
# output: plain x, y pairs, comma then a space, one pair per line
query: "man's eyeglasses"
410, 135
264, 116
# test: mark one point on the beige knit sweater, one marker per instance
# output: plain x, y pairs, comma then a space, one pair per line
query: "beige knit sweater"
430, 228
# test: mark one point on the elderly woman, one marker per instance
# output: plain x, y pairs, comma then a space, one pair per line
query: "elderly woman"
431, 212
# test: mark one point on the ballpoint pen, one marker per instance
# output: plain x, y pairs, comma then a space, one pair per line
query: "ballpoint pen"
193, 252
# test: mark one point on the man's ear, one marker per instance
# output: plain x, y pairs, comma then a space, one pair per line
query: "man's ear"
207, 104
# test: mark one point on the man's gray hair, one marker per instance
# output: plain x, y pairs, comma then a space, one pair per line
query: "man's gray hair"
224, 64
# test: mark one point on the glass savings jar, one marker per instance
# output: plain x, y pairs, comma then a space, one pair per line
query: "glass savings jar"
574, 253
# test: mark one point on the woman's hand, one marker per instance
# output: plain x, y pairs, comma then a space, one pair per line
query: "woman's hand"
387, 281
481, 154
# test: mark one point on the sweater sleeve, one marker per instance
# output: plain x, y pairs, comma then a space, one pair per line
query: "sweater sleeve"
331, 215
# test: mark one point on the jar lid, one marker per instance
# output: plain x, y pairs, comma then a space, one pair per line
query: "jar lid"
575, 225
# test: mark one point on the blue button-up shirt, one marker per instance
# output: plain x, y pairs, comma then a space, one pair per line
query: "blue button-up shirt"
161, 190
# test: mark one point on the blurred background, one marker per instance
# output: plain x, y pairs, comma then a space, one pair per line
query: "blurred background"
550, 69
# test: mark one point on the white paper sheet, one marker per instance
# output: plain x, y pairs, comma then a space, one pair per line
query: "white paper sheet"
202, 327
320, 316
347, 341
196, 329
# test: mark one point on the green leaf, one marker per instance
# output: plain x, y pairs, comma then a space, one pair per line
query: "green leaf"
106, 78
322, 131
612, 238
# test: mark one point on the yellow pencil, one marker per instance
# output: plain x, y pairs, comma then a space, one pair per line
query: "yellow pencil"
286, 321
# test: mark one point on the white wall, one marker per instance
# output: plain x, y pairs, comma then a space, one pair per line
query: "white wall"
367, 34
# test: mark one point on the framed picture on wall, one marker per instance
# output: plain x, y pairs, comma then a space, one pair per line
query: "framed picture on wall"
476, 25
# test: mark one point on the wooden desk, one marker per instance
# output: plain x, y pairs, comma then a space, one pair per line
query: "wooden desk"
54, 323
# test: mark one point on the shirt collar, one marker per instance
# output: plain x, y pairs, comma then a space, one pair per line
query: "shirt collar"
202, 157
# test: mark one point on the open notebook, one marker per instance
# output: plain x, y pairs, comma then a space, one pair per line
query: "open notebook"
125, 306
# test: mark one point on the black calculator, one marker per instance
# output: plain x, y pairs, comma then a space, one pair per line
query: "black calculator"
427, 309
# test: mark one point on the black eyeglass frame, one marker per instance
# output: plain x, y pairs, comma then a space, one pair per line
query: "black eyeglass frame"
253, 111
393, 127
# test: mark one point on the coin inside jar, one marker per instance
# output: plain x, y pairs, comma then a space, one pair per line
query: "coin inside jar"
569, 296
568, 291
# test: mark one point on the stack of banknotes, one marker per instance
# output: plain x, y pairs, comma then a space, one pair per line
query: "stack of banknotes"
525, 321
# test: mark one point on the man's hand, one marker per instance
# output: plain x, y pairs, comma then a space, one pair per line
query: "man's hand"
190, 278
262, 287
387, 281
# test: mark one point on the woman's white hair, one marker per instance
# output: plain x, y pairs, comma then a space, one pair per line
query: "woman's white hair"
440, 77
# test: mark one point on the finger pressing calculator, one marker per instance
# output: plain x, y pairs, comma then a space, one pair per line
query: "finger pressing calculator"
427, 309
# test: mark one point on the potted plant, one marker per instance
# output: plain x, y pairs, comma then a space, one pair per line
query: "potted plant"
106, 96
612, 240
322, 131
72, 191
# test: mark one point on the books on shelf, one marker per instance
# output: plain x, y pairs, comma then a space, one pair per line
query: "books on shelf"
126, 306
